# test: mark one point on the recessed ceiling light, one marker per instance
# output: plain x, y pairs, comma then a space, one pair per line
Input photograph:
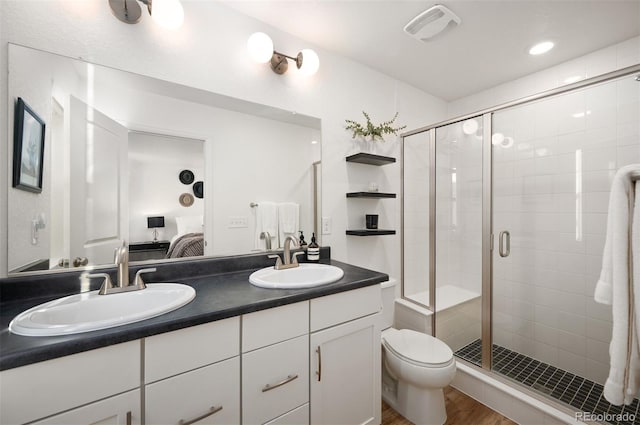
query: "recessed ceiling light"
541, 48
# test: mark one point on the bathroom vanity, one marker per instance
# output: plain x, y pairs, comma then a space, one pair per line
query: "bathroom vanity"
236, 354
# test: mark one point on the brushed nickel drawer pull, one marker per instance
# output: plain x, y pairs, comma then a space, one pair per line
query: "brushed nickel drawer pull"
319, 371
270, 387
201, 417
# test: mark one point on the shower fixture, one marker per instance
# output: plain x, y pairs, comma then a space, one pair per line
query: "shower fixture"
167, 13
432, 22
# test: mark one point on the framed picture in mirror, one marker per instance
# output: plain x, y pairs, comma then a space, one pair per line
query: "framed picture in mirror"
28, 148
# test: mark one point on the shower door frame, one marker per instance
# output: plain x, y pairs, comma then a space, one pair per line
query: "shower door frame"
487, 200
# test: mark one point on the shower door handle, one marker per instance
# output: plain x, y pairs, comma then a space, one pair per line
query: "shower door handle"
504, 243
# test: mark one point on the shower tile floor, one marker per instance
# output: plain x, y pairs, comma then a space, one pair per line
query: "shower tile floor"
570, 389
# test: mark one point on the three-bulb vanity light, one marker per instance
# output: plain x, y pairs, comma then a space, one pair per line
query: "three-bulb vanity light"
260, 48
168, 14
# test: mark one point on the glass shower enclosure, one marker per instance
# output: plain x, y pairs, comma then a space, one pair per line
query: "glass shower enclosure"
513, 202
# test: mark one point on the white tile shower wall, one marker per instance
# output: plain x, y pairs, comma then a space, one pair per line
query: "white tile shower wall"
458, 207
552, 190
416, 214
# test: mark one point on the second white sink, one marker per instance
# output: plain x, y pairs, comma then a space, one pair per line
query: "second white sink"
89, 311
304, 276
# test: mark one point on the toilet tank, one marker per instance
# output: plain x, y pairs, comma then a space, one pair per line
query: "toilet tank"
388, 300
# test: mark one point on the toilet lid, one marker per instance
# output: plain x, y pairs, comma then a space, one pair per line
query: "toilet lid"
418, 347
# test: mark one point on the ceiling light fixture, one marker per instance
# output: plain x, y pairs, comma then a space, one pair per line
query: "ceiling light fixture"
541, 48
168, 14
261, 50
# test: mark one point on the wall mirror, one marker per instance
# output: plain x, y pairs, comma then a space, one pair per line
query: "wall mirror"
173, 170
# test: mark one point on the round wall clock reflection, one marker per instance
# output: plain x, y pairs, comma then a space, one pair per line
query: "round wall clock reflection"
186, 176
186, 199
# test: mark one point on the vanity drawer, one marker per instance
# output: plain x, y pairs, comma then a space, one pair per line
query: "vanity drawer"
269, 388
299, 416
213, 390
339, 308
42, 389
277, 324
179, 351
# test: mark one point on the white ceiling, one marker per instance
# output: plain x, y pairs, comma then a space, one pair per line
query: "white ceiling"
488, 48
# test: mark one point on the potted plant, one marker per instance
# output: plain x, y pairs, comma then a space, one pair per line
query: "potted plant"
374, 132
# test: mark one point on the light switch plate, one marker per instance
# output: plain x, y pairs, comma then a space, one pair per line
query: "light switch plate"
326, 225
236, 222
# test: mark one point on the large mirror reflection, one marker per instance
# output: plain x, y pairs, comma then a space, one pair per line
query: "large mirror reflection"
175, 171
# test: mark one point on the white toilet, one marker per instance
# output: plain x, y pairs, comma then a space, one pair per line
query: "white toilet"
416, 367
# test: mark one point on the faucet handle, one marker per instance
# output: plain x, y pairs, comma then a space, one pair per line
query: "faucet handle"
107, 284
138, 282
278, 260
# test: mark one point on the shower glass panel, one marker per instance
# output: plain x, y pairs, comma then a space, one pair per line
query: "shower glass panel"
553, 163
416, 204
459, 233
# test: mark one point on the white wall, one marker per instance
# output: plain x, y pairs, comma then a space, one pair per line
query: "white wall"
250, 159
37, 84
154, 187
601, 61
209, 52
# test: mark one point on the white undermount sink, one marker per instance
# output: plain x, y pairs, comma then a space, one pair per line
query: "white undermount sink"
89, 311
306, 275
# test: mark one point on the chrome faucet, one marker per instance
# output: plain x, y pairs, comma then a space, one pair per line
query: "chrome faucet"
290, 261
267, 240
122, 262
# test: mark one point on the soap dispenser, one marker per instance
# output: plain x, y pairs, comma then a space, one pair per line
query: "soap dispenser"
302, 242
313, 250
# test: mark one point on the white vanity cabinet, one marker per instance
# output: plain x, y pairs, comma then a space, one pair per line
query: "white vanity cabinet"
345, 357
275, 365
192, 375
44, 389
314, 361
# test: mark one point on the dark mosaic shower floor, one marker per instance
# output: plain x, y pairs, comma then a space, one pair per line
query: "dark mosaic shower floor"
570, 389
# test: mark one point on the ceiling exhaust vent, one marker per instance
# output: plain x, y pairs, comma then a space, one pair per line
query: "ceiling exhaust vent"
432, 22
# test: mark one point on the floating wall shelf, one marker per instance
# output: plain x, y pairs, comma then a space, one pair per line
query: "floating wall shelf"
368, 232
371, 159
372, 195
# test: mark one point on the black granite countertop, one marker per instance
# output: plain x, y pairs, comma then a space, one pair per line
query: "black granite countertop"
222, 290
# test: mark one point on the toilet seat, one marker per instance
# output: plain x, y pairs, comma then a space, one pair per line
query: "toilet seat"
417, 348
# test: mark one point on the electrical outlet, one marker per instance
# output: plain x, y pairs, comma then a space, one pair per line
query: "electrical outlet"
326, 225
237, 222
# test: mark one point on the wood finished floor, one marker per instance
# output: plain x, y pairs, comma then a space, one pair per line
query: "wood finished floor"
461, 410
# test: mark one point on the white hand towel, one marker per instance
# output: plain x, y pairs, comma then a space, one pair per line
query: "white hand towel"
616, 288
266, 221
288, 220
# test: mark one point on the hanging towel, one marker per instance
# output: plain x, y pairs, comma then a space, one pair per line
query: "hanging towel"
618, 288
266, 221
288, 220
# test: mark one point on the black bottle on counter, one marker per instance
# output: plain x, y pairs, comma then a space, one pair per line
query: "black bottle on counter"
313, 250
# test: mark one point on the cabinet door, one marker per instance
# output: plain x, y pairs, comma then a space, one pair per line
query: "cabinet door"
123, 409
209, 395
345, 373
275, 380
